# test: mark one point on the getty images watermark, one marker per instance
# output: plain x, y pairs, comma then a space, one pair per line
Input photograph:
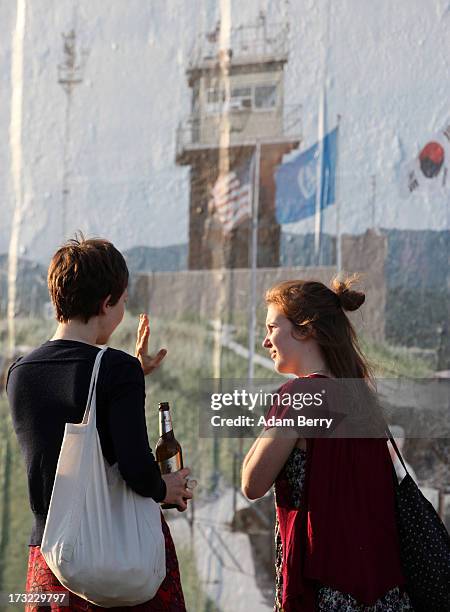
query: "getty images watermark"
319, 407
248, 400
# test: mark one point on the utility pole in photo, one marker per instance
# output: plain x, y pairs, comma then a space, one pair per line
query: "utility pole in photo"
253, 263
69, 76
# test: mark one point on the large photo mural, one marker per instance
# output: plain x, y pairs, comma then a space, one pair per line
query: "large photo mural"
224, 147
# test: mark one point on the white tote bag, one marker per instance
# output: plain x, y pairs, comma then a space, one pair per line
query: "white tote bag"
103, 541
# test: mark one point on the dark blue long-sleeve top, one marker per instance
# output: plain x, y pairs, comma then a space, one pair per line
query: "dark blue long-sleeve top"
48, 388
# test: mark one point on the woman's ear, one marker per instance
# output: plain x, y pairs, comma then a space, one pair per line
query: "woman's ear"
304, 332
105, 305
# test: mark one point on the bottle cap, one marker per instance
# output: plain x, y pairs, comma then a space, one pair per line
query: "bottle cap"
164, 406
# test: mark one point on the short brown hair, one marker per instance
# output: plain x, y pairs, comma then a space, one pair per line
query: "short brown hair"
82, 273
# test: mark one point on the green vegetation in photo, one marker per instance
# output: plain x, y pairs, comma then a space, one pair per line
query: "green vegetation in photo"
195, 598
192, 352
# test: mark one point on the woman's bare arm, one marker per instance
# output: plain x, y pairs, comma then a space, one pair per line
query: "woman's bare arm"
264, 461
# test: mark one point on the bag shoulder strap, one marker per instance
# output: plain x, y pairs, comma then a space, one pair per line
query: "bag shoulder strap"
93, 384
394, 444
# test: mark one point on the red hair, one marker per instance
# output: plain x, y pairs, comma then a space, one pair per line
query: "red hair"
313, 307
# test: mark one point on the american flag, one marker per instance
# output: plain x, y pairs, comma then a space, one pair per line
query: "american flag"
231, 196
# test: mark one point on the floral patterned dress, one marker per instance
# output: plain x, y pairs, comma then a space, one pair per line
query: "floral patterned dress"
328, 600
169, 597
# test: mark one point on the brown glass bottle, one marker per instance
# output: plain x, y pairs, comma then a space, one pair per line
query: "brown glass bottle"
168, 450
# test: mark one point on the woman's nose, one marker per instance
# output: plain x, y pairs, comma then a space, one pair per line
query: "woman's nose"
266, 343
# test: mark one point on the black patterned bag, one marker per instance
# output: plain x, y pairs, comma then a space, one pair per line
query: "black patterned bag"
424, 546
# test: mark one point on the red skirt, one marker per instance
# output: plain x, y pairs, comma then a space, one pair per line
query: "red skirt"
169, 598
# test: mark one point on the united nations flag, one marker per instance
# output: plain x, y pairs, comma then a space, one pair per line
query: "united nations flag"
296, 181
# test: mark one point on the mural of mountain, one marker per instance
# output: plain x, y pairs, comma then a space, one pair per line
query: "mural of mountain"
418, 296
416, 272
298, 250
32, 293
418, 258
417, 279
157, 259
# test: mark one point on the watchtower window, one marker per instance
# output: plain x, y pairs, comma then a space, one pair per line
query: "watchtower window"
265, 96
241, 98
260, 97
214, 100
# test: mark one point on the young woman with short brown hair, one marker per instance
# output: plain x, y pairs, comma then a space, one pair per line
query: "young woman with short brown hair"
48, 388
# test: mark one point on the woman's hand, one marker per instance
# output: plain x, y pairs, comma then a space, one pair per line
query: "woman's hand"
148, 363
177, 491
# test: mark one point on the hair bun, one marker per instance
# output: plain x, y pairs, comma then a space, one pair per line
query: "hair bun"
349, 299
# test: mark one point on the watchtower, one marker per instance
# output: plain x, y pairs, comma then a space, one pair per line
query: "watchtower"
237, 101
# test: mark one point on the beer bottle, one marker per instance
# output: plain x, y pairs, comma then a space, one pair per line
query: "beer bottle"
168, 450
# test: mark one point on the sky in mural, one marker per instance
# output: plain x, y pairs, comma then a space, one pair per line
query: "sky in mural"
102, 159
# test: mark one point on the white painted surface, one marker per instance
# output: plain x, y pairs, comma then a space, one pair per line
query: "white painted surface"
387, 75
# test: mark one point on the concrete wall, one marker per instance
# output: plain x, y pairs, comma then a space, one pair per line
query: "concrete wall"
213, 294
366, 255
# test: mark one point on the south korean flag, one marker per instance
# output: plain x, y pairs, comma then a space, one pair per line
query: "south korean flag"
429, 172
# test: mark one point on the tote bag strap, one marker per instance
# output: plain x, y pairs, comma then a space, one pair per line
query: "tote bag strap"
394, 444
93, 385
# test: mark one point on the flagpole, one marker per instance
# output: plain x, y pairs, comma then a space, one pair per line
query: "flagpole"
373, 200
321, 142
254, 262
338, 205
319, 181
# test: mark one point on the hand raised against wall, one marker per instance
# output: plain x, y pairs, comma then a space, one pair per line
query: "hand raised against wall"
148, 362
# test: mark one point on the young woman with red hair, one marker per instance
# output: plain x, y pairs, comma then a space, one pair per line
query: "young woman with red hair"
336, 538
